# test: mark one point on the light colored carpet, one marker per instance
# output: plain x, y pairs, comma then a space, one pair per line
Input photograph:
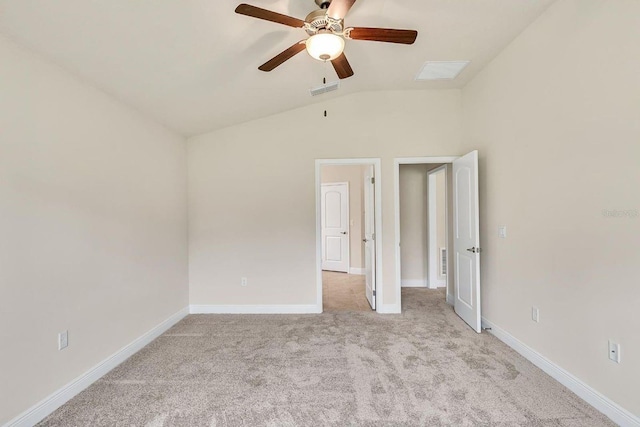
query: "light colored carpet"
424, 367
343, 292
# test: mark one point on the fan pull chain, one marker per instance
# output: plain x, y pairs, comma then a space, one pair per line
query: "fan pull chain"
324, 82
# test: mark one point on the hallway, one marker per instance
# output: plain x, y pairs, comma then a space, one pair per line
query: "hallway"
343, 292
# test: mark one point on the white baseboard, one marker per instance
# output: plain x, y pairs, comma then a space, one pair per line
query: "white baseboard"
414, 283
255, 309
356, 270
389, 309
603, 404
440, 283
45, 407
450, 299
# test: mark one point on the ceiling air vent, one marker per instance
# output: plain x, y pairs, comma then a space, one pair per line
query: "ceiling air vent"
325, 88
441, 70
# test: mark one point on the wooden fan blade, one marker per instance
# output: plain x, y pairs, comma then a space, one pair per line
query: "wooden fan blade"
338, 9
388, 35
267, 15
342, 67
283, 56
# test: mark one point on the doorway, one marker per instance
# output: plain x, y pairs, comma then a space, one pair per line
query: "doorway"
348, 211
423, 225
463, 240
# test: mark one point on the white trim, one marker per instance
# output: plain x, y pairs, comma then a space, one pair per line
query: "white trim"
377, 167
424, 160
432, 225
439, 283
414, 283
396, 217
441, 168
450, 299
46, 406
356, 270
388, 308
433, 252
449, 224
348, 236
254, 309
602, 403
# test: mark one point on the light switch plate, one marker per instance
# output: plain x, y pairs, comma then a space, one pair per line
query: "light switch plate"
502, 232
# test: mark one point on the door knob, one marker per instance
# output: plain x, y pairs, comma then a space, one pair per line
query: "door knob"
474, 250
365, 240
343, 232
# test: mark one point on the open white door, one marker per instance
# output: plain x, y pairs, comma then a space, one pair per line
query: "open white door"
466, 239
335, 227
369, 236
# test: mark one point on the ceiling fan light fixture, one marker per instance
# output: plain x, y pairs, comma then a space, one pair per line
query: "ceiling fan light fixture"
325, 46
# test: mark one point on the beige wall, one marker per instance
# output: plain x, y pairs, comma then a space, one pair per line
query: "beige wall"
556, 119
413, 225
353, 174
92, 227
263, 226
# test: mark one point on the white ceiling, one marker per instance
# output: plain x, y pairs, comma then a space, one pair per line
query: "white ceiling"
192, 64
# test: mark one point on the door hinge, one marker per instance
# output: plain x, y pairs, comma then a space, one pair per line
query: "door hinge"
374, 292
373, 236
373, 180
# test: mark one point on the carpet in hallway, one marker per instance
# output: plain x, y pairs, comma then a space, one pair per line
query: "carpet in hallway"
343, 292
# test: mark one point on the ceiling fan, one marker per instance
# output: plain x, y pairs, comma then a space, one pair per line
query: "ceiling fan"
327, 33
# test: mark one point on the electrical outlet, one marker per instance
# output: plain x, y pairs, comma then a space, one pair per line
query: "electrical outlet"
243, 281
614, 351
63, 340
535, 314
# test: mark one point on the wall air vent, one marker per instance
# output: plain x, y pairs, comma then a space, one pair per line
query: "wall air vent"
441, 70
443, 261
331, 86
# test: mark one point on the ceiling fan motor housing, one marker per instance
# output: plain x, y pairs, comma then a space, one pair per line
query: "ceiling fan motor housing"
318, 20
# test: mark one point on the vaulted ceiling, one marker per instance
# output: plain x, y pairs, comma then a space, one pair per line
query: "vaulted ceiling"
192, 64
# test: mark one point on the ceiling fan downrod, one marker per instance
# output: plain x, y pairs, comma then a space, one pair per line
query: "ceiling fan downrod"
323, 4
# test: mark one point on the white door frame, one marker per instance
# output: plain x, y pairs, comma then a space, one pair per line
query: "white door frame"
377, 167
346, 184
433, 252
396, 220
